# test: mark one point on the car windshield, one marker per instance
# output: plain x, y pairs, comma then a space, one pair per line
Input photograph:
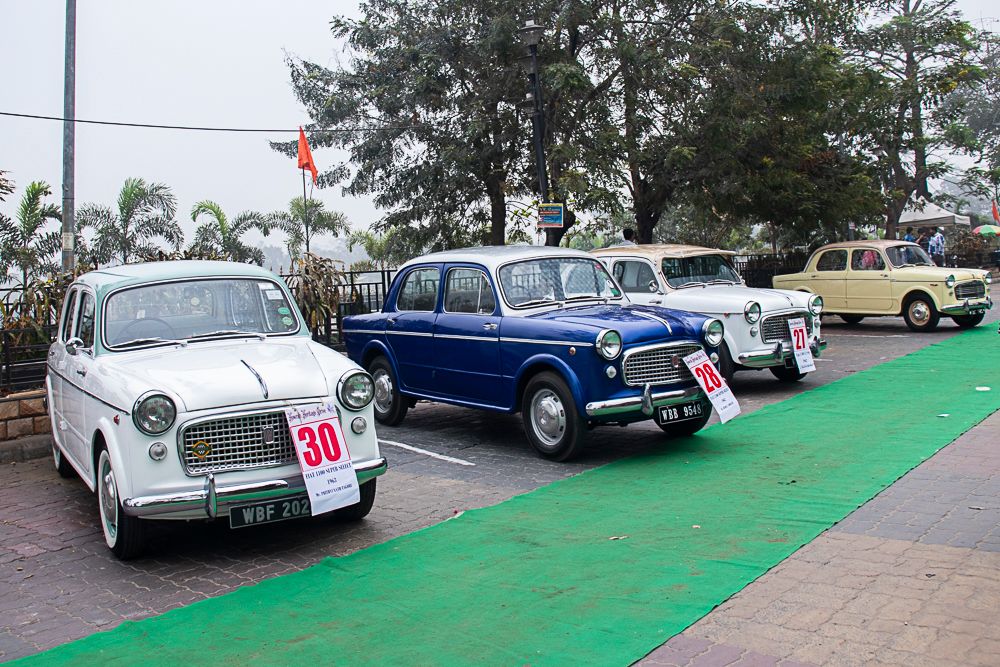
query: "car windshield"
556, 280
912, 255
699, 270
193, 310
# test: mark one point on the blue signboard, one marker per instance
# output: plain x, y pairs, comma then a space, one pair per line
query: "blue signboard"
550, 215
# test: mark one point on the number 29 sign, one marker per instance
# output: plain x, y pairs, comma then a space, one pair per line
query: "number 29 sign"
713, 384
323, 456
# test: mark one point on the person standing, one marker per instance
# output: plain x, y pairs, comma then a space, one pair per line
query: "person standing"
923, 239
909, 235
936, 246
629, 235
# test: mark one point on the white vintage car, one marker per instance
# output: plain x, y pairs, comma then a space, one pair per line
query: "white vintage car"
167, 388
702, 280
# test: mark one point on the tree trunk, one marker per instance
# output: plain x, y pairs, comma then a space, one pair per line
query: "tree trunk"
553, 237
498, 209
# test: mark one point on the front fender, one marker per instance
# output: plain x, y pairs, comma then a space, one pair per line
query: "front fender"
920, 289
545, 361
120, 457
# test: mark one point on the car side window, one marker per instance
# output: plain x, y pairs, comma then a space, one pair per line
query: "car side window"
866, 259
85, 329
832, 260
69, 315
419, 290
635, 277
468, 291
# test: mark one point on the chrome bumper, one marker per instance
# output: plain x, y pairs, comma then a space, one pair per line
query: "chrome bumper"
966, 307
777, 356
214, 499
646, 402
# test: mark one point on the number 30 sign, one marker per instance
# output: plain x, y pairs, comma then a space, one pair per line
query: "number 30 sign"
323, 456
713, 384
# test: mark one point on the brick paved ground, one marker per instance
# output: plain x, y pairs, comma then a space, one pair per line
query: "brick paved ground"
58, 581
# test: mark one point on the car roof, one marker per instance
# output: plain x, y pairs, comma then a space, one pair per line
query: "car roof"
493, 256
660, 250
878, 243
129, 274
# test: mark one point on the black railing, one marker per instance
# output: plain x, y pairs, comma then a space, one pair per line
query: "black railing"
22, 357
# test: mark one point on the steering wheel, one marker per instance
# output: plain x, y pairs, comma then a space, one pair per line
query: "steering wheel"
158, 332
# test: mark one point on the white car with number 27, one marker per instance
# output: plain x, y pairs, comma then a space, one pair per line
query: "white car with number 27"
168, 385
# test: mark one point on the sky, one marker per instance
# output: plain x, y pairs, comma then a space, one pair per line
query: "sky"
184, 62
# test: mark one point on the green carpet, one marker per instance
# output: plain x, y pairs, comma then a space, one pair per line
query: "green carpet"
538, 579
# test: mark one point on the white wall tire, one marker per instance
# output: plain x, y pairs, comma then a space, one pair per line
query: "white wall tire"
63, 467
122, 533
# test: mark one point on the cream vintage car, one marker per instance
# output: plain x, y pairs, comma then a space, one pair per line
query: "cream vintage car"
167, 389
859, 279
703, 280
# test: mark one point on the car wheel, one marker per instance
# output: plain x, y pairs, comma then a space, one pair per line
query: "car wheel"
726, 365
360, 509
968, 321
920, 314
63, 467
852, 319
122, 533
786, 374
390, 405
551, 421
690, 427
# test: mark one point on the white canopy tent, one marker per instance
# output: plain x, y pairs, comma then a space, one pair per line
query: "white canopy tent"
932, 215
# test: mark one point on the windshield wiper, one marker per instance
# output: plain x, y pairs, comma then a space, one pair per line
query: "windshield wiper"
721, 280
539, 302
693, 284
147, 341
228, 332
584, 297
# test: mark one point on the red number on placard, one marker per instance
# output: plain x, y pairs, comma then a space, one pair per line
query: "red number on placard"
328, 438
312, 456
706, 372
800, 338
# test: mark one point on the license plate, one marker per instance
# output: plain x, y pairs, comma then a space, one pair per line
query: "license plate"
268, 512
669, 414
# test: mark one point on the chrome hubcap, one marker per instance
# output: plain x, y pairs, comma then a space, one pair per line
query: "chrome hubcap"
919, 312
548, 417
383, 390
109, 498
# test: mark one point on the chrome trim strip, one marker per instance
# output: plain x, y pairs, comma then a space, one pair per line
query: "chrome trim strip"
263, 385
216, 499
635, 403
656, 346
967, 307
650, 316
489, 339
545, 342
363, 331
410, 333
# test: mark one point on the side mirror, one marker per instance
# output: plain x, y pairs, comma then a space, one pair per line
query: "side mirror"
73, 345
653, 287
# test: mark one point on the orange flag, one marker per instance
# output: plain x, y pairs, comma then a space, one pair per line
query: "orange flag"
305, 155
996, 213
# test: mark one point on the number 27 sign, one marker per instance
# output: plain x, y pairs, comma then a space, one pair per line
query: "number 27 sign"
323, 456
713, 384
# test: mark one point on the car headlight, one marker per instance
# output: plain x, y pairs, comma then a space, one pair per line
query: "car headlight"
609, 344
154, 413
751, 312
713, 332
988, 278
949, 282
815, 304
356, 389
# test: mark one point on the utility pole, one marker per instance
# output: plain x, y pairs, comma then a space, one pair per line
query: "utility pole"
69, 138
531, 35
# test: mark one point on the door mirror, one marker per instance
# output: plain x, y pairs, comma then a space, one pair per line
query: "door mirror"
653, 287
72, 345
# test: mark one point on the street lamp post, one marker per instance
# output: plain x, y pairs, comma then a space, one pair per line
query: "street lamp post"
531, 35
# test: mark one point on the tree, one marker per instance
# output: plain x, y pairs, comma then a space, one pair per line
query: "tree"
224, 238
307, 218
6, 185
145, 211
26, 243
385, 250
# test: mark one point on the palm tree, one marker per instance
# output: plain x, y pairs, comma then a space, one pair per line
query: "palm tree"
25, 242
383, 250
224, 238
145, 211
306, 219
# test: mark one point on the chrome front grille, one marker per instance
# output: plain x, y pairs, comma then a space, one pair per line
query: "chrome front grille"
970, 289
775, 328
237, 443
658, 365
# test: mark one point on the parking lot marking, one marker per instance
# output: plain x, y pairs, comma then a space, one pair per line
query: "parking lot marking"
411, 448
826, 335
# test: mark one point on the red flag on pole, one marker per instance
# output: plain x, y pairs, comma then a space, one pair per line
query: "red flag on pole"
996, 213
305, 155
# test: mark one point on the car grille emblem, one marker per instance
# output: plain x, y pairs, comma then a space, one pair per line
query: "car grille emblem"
267, 434
201, 449
676, 361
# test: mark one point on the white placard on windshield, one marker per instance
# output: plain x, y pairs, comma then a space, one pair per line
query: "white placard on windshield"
800, 345
323, 456
713, 384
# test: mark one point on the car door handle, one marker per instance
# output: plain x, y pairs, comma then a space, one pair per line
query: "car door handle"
656, 301
490, 326
82, 372
391, 322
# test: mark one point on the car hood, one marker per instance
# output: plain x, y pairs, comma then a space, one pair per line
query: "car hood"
213, 374
733, 298
636, 324
936, 273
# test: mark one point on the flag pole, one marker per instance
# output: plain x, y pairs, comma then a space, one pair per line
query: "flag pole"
305, 209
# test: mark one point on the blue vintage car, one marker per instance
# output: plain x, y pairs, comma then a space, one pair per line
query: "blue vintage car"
541, 330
